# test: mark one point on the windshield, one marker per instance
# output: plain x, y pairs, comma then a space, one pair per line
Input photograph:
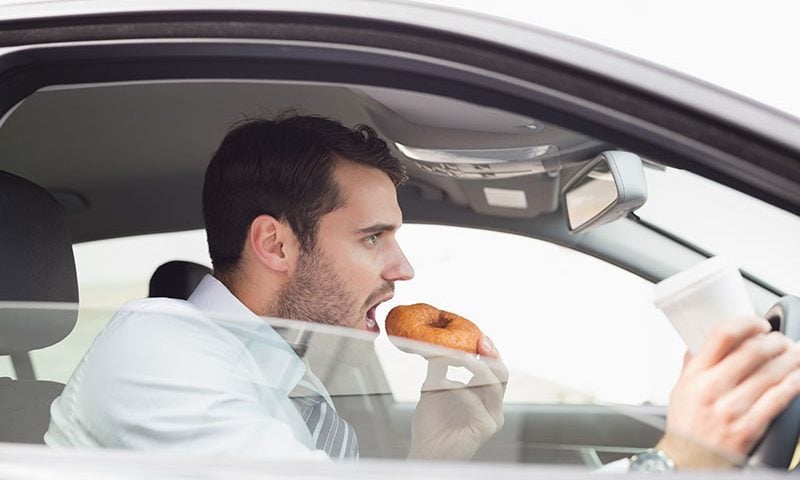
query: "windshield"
761, 238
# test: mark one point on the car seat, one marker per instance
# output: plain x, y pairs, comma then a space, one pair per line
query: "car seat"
37, 266
177, 279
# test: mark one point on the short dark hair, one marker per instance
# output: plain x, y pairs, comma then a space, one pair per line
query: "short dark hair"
283, 168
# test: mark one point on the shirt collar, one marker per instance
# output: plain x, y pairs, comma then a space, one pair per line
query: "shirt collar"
271, 352
212, 297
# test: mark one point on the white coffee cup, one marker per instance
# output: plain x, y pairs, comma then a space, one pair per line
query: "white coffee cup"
697, 299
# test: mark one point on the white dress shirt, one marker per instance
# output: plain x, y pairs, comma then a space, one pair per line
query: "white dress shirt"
202, 376
199, 376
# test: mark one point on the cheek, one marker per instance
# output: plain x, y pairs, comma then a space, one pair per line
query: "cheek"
359, 268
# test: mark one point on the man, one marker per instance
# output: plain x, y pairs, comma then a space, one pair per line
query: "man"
301, 215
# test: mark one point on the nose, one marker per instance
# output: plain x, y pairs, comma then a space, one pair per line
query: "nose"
398, 267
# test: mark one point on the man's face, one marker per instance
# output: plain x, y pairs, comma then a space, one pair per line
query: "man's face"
355, 260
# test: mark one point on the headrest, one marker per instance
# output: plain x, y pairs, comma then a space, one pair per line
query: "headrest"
36, 265
177, 279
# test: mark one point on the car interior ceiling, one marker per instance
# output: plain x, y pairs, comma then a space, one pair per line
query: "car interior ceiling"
151, 142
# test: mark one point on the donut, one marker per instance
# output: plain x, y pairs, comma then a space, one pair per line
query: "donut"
425, 323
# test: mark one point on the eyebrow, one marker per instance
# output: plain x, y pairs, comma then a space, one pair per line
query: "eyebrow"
378, 227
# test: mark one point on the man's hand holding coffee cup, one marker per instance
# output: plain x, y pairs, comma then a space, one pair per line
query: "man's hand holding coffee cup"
728, 393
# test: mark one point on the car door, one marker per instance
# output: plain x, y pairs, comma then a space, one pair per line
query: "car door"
612, 98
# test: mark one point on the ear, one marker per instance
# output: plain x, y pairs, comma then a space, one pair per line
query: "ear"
271, 242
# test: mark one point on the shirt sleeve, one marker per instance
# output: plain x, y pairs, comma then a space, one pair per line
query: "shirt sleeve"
179, 383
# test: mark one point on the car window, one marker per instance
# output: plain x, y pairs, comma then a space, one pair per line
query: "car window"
110, 272
113, 271
578, 328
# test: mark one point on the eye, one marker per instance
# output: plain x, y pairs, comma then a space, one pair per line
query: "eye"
372, 239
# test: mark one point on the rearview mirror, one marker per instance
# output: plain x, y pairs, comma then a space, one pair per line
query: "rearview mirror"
608, 188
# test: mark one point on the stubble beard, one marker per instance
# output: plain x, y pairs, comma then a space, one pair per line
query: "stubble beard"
317, 294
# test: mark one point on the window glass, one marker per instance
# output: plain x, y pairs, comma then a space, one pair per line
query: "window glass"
111, 272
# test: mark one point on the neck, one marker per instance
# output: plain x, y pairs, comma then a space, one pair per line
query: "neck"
255, 293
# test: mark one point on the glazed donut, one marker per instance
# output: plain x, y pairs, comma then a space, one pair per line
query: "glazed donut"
429, 324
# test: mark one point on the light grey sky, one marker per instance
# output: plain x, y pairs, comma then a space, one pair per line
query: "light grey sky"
745, 46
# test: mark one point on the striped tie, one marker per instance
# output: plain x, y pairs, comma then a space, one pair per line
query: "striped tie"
329, 431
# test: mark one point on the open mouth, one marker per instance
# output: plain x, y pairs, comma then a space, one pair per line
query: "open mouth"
370, 323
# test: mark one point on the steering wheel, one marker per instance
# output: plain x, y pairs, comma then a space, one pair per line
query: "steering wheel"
777, 446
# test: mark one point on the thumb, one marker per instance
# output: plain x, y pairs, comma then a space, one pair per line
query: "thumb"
486, 347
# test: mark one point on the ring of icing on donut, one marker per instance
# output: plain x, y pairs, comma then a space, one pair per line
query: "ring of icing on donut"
425, 323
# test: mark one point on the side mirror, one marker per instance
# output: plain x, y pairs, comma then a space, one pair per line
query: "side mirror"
608, 188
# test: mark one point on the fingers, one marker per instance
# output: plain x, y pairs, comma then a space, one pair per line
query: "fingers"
484, 371
771, 403
752, 354
486, 347
730, 391
768, 375
436, 378
488, 382
491, 396
437, 368
726, 337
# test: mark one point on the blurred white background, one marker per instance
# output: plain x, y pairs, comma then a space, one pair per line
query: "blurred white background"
745, 46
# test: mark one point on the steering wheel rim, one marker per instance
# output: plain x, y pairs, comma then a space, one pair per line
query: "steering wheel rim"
776, 448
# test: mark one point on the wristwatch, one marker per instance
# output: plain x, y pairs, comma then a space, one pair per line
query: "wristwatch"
651, 460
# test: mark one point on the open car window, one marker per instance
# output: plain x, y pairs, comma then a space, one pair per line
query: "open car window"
581, 326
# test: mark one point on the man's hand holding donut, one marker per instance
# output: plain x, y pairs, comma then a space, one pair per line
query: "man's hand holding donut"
453, 419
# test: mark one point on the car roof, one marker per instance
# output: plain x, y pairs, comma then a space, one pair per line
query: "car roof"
112, 150
78, 23
547, 44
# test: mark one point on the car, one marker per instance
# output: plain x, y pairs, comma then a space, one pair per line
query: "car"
115, 109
